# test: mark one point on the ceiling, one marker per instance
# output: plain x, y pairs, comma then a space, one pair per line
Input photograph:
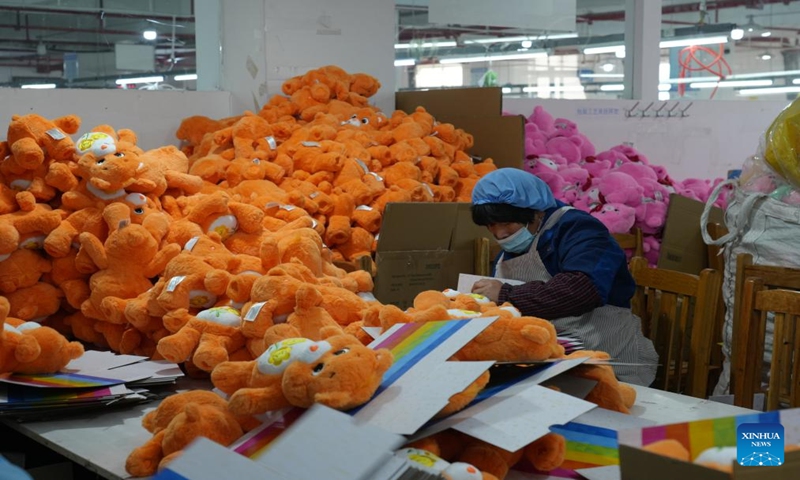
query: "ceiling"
35, 34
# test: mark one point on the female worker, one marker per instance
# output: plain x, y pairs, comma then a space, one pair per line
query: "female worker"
574, 271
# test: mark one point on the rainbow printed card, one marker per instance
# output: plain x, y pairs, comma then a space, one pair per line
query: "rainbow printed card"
420, 351
61, 380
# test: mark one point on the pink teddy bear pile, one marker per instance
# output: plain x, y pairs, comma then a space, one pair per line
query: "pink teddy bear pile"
619, 186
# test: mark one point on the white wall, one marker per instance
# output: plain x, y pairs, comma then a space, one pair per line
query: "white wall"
153, 115
266, 42
717, 136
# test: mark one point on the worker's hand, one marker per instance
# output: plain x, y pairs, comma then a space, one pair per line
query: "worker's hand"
488, 288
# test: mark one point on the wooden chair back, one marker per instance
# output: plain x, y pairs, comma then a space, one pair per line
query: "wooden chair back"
678, 311
717, 262
784, 376
770, 277
631, 241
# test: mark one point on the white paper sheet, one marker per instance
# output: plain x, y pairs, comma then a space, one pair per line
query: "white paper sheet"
417, 396
325, 443
207, 460
466, 281
94, 360
610, 472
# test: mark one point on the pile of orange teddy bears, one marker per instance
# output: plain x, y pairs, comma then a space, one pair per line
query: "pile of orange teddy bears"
221, 255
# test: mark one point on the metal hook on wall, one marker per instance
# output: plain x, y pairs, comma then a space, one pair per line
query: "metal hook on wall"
658, 111
669, 112
630, 112
683, 112
646, 109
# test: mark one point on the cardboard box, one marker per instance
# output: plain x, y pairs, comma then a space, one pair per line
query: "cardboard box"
699, 436
682, 247
423, 246
478, 111
636, 464
448, 104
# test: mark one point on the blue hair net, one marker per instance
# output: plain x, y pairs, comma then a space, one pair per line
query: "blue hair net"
513, 187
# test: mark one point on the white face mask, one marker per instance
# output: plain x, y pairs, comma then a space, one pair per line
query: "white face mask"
518, 242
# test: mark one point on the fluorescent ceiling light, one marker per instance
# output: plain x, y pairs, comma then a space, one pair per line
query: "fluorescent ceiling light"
607, 67
737, 34
678, 42
521, 39
188, 76
575, 88
766, 34
39, 85
689, 42
506, 90
149, 34
732, 84
128, 81
526, 44
766, 56
796, 81
769, 91
602, 75
663, 96
405, 62
487, 58
605, 49
779, 73
612, 87
400, 46
664, 87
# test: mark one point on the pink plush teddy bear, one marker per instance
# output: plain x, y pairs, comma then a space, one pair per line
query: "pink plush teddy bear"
590, 198
576, 179
631, 154
638, 171
696, 189
566, 148
597, 165
619, 187
665, 179
651, 215
616, 217
543, 120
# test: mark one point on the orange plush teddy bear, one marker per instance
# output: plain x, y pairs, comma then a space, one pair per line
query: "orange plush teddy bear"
32, 138
178, 421
29, 348
338, 372
208, 338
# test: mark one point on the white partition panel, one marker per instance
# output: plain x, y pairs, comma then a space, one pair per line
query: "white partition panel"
153, 115
714, 137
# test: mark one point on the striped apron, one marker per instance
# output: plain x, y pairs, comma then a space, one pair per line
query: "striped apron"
608, 328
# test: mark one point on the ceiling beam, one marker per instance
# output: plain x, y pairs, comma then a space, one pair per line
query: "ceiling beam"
11, 26
97, 13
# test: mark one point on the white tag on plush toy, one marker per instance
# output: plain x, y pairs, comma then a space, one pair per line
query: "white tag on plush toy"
280, 355
367, 296
314, 223
28, 326
191, 243
362, 165
269, 205
55, 134
364, 208
311, 144
98, 144
9, 329
429, 189
313, 195
377, 177
288, 208
271, 142
230, 317
255, 309
174, 282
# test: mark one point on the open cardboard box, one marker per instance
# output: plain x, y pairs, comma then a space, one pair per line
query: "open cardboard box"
636, 463
682, 248
479, 112
423, 246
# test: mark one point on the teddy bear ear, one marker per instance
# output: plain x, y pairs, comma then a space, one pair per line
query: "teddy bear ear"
28, 349
385, 359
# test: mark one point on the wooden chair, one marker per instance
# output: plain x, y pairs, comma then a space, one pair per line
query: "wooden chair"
678, 311
784, 377
717, 262
631, 241
772, 277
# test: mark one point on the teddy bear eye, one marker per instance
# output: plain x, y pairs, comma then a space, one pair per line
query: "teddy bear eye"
342, 351
119, 154
101, 161
138, 211
354, 116
365, 121
318, 368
